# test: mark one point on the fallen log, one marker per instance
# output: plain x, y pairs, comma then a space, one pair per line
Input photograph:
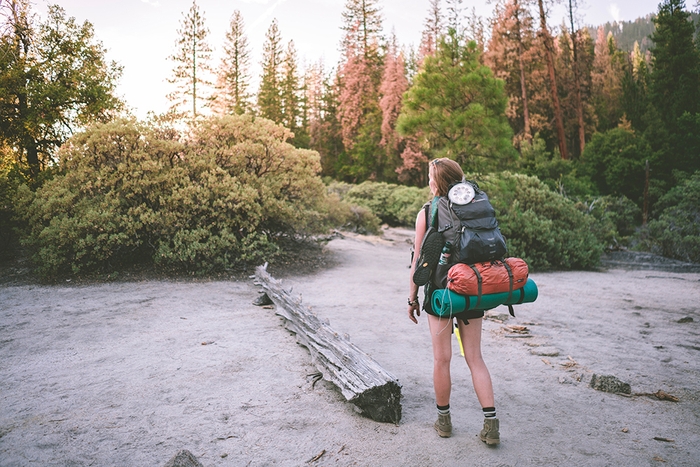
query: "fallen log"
359, 377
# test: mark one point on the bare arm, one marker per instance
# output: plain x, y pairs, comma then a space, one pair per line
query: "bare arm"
413, 288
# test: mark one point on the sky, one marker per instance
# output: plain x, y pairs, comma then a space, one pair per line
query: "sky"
140, 35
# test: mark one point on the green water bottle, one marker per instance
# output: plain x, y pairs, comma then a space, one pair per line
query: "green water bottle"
445, 255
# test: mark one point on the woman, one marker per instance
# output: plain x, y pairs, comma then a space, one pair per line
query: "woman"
442, 174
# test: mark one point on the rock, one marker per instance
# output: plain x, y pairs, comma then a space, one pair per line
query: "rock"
262, 300
184, 458
609, 383
687, 319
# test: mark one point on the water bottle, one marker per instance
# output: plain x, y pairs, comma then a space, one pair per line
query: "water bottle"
445, 255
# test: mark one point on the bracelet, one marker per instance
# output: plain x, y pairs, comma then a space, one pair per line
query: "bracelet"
413, 302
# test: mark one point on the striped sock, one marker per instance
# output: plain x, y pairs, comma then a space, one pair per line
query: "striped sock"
489, 412
443, 409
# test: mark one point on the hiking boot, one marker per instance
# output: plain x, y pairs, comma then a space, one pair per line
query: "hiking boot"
489, 434
443, 426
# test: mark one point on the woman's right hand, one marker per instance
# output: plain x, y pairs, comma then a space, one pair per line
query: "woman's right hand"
415, 307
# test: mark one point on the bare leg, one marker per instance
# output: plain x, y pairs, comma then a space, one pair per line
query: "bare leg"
441, 336
481, 379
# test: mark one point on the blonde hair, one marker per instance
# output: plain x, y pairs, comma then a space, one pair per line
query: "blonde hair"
445, 172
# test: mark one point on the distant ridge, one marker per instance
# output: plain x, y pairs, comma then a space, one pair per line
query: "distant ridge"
639, 30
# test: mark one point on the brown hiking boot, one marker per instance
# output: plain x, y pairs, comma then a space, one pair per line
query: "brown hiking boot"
443, 426
489, 434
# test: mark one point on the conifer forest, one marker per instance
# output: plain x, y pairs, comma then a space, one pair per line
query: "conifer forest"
586, 138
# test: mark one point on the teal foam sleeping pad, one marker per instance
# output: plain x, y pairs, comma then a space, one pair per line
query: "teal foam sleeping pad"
446, 302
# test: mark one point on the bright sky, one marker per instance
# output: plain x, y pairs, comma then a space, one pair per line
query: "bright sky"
141, 34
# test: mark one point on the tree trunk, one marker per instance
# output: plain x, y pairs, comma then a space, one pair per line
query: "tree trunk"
523, 88
577, 83
360, 379
549, 54
28, 143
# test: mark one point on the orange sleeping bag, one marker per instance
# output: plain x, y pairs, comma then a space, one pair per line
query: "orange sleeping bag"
487, 278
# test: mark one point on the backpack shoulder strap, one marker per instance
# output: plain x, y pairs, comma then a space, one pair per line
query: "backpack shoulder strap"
433, 212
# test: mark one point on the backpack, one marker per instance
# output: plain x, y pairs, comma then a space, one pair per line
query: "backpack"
471, 228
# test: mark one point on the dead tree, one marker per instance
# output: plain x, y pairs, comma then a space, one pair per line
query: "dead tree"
549, 55
359, 377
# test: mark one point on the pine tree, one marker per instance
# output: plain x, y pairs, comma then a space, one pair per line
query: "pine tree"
356, 95
362, 23
675, 81
269, 95
475, 30
548, 46
511, 55
432, 30
574, 84
324, 125
233, 79
192, 68
414, 167
454, 16
360, 76
394, 85
606, 81
635, 84
575, 69
291, 94
456, 108
675, 93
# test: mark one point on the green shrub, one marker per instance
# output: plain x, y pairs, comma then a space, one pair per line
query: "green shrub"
616, 219
393, 204
129, 193
541, 226
676, 231
615, 161
562, 176
345, 215
11, 178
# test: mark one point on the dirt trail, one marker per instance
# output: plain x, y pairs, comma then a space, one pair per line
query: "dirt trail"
130, 373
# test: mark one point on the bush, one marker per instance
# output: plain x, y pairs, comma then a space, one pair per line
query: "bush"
129, 193
11, 178
558, 174
616, 219
393, 204
541, 226
676, 231
615, 161
346, 216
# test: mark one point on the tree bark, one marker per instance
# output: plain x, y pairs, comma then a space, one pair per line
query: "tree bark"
549, 54
577, 83
360, 378
523, 88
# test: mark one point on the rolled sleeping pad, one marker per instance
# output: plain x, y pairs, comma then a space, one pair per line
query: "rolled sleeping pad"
447, 303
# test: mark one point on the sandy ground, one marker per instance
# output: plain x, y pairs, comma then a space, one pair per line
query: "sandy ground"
127, 374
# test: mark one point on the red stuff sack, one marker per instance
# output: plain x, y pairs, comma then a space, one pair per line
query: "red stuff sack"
487, 278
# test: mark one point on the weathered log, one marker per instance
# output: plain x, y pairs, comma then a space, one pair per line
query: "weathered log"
359, 377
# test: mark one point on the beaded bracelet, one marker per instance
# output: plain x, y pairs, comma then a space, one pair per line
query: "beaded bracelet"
413, 302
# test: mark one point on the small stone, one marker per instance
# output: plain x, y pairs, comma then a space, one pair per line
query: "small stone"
183, 458
609, 383
687, 319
